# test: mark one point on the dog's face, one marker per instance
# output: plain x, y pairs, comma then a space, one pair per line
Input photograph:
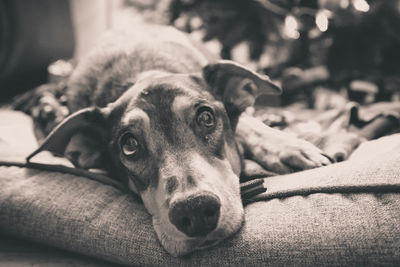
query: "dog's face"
170, 137
177, 146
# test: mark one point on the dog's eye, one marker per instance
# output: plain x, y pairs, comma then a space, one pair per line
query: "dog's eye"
129, 145
205, 117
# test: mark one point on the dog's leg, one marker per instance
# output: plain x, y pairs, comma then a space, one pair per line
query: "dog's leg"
277, 151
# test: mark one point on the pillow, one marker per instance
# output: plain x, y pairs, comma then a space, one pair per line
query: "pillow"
343, 214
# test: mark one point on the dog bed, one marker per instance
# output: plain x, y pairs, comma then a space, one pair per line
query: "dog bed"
344, 214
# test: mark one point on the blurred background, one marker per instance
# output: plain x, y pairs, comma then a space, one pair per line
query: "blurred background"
322, 52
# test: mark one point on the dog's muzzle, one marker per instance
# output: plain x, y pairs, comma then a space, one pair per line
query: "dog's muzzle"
196, 215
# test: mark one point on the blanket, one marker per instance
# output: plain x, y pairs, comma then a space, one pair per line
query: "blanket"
337, 131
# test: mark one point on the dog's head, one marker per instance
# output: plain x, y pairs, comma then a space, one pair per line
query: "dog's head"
170, 138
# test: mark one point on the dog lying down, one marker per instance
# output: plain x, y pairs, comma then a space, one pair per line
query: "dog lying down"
162, 116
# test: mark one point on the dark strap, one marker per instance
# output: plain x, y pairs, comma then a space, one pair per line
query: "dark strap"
64, 169
248, 189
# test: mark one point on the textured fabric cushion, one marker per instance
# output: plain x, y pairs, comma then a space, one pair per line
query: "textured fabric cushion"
344, 214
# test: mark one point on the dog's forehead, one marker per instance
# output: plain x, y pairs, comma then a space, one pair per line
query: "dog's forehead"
171, 85
161, 101
153, 104
159, 94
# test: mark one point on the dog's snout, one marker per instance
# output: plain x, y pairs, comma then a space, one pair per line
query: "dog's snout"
196, 215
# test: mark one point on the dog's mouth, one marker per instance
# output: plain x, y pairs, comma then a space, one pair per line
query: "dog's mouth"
209, 243
178, 244
199, 218
215, 238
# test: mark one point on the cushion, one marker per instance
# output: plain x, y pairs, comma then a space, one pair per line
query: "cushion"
346, 213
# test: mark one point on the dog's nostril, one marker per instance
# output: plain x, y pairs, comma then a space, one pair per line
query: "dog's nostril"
197, 215
209, 212
185, 223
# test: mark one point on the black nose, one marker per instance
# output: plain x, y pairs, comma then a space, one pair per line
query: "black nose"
197, 215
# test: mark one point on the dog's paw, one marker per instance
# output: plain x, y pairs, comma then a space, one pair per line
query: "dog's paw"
289, 155
46, 105
277, 151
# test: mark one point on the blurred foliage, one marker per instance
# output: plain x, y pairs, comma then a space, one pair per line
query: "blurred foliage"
350, 46
230, 22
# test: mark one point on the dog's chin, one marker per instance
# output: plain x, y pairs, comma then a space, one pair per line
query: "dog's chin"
178, 244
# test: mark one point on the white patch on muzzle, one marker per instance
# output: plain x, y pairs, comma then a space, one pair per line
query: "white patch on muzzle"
216, 178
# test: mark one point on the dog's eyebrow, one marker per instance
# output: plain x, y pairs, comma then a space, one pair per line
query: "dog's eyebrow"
134, 115
200, 102
135, 126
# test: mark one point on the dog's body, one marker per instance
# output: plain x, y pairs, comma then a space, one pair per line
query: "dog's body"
164, 122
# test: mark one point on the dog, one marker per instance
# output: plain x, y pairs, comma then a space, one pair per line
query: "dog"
163, 116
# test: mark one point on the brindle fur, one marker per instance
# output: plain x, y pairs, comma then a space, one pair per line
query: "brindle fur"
152, 84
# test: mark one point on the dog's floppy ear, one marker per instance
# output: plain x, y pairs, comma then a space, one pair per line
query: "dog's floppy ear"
81, 137
237, 86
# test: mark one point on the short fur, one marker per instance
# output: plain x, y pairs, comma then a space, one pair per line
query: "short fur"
155, 86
